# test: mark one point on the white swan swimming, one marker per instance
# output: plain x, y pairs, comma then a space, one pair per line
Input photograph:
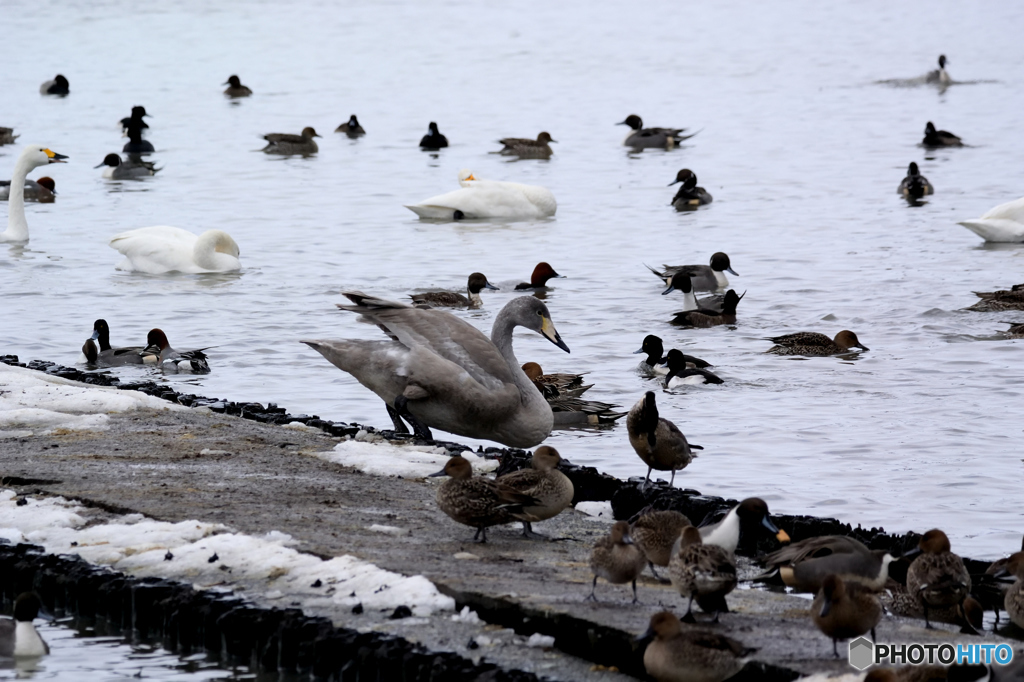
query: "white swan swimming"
160, 249
33, 156
488, 199
1004, 223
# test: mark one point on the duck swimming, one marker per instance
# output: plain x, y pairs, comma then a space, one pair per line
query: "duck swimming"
995, 301
655, 362
937, 578
657, 441
433, 140
42, 191
235, 88
915, 185
7, 136
135, 143
351, 127
525, 148
158, 351
539, 278
161, 249
709, 277
939, 138
1004, 223
681, 374
440, 371
32, 156
18, 636
450, 299
138, 113
689, 195
815, 344
682, 283
478, 501
488, 199
562, 391
58, 86
563, 384
651, 138
703, 572
691, 655
97, 349
939, 76
116, 169
552, 490
616, 559
289, 145
804, 565
705, 317
844, 610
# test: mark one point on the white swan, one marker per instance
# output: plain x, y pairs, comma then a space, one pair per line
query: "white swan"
488, 199
1004, 223
159, 249
33, 156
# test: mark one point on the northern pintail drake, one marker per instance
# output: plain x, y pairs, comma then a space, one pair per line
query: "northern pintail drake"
42, 190
995, 301
709, 277
915, 185
651, 138
488, 199
477, 501
703, 572
525, 148
939, 138
235, 88
844, 610
682, 283
135, 143
7, 136
138, 113
707, 317
558, 383
433, 140
937, 578
617, 559
655, 532
750, 515
656, 363
681, 374
116, 169
58, 86
539, 279
161, 249
18, 636
804, 565
440, 371
1014, 601
97, 349
1004, 223
552, 489
351, 127
32, 156
813, 343
691, 655
689, 195
657, 441
158, 351
939, 76
290, 145
449, 299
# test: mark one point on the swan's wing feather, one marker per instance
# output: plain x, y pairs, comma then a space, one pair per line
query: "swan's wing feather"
156, 249
1011, 210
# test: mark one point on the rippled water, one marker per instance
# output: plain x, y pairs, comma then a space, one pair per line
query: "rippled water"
800, 146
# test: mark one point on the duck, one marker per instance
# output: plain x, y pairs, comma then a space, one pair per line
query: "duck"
1014, 600
158, 351
562, 391
138, 113
488, 199
32, 156
135, 143
433, 140
915, 185
7, 136
525, 148
937, 578
651, 138
655, 532
682, 283
235, 88
289, 145
161, 249
657, 441
844, 610
116, 169
689, 195
42, 191
804, 565
617, 559
449, 299
18, 636
815, 344
996, 301
351, 127
656, 363
939, 76
750, 514
709, 277
939, 138
440, 371
1004, 223
552, 489
681, 374
703, 572
58, 86
103, 355
691, 655
993, 594
558, 384
539, 279
707, 317
478, 501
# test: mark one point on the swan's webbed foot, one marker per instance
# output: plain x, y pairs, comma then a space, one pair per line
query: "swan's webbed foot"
419, 428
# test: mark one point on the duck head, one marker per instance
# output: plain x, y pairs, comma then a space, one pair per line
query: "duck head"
156, 342
542, 273
532, 371
647, 417
26, 607
932, 542
754, 510
912, 170
929, 128
458, 468
689, 536
620, 533
112, 160
633, 121
308, 133
663, 625
653, 347
233, 81
544, 138
942, 61
676, 362
720, 262
433, 129
546, 458
679, 282
48, 183
847, 339
687, 177
732, 299
478, 281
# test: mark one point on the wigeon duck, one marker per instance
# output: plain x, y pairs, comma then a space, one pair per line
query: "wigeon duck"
289, 145
161, 249
815, 344
939, 76
655, 362
616, 559
235, 88
703, 572
116, 169
158, 351
450, 299
1004, 223
844, 610
939, 138
804, 565
651, 138
750, 515
433, 140
18, 636
655, 532
42, 190
709, 277
488, 199
440, 371
657, 441
552, 490
681, 374
915, 185
706, 317
58, 86
689, 195
691, 655
32, 156
7, 136
539, 279
525, 148
97, 349
351, 127
937, 578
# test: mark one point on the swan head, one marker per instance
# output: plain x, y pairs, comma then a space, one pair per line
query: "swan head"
109, 160
233, 81
633, 121
530, 312
687, 177
545, 138
309, 133
466, 175
221, 241
35, 155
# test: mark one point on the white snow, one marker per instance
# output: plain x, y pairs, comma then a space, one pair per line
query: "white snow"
408, 461
598, 511
33, 402
541, 641
466, 615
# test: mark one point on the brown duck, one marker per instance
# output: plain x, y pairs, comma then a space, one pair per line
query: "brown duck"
477, 501
616, 559
804, 565
691, 655
703, 572
844, 610
545, 483
654, 532
657, 441
937, 578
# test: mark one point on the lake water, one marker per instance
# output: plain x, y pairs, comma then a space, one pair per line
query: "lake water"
800, 146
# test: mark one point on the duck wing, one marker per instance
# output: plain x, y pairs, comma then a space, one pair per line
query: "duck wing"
802, 339
274, 138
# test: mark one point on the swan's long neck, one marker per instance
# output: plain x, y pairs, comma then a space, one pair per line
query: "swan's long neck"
17, 226
501, 337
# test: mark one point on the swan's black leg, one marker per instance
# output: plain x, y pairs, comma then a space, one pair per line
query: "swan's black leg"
419, 428
400, 426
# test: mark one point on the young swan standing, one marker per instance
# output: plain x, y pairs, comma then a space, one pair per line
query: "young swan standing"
937, 578
545, 483
844, 610
655, 532
617, 559
691, 656
477, 501
703, 572
18, 637
658, 442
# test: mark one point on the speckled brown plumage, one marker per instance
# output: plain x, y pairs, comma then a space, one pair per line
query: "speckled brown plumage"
477, 501
845, 610
616, 559
654, 532
705, 573
551, 488
690, 655
937, 578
